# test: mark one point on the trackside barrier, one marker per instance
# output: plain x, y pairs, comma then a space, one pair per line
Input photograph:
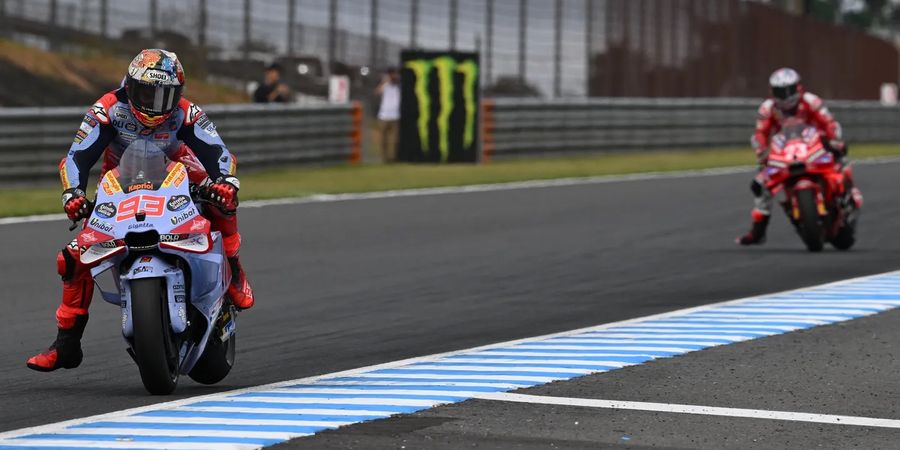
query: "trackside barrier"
33, 140
521, 127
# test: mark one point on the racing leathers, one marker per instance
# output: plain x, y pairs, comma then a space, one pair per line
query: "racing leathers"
811, 110
187, 136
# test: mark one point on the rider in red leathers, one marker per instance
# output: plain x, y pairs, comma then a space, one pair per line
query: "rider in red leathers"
789, 99
148, 107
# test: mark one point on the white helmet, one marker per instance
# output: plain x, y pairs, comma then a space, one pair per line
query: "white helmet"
786, 88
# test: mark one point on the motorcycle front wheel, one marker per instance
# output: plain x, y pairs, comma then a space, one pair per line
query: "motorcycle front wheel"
811, 230
154, 347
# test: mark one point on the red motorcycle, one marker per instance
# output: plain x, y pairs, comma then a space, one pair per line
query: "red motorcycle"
815, 184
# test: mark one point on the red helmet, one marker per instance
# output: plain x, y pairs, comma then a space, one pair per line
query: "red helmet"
154, 84
786, 88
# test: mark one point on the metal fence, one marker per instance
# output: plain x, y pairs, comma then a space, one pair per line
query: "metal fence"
559, 48
33, 140
523, 127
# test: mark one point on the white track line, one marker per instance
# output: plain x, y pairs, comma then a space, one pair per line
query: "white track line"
691, 409
472, 188
419, 379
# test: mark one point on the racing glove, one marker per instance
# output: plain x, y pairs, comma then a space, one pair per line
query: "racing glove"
221, 193
76, 205
837, 146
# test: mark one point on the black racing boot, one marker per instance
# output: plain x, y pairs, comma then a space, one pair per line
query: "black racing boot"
64, 353
757, 234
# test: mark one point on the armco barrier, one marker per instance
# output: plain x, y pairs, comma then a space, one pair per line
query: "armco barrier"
519, 127
33, 140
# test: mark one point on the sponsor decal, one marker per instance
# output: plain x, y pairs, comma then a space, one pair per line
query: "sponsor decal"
156, 75
130, 126
111, 184
172, 237
80, 136
447, 69
161, 136
139, 225
89, 121
146, 132
100, 112
146, 259
175, 176
197, 225
206, 125
171, 270
120, 114
178, 202
194, 113
108, 244
179, 299
85, 128
89, 238
183, 216
142, 269
74, 244
134, 187
105, 210
100, 225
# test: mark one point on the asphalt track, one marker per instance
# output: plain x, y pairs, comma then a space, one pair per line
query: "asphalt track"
349, 284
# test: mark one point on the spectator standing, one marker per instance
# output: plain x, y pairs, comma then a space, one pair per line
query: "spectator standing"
272, 90
389, 114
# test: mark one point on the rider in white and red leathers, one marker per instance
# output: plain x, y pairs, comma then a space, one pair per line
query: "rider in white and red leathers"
148, 106
789, 99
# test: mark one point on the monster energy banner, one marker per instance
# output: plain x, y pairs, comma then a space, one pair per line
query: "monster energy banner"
439, 107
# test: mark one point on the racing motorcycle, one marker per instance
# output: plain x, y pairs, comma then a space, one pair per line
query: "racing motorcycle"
816, 198
169, 270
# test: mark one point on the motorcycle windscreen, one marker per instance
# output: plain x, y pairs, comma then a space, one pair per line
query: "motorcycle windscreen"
143, 166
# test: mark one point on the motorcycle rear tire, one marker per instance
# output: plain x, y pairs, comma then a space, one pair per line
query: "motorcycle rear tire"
216, 361
811, 230
154, 348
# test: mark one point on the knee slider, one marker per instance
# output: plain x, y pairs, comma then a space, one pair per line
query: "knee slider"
65, 264
756, 187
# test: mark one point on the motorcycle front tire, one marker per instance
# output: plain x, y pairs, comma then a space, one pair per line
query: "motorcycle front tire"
154, 347
811, 230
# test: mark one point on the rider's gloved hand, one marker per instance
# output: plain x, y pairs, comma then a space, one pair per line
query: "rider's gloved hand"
76, 205
837, 146
222, 192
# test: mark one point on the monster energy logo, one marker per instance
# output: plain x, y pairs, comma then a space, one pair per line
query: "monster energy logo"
447, 67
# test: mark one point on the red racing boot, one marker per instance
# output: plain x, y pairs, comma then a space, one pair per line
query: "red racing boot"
239, 290
64, 352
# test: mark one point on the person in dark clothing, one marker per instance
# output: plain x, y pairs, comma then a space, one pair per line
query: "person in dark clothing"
272, 90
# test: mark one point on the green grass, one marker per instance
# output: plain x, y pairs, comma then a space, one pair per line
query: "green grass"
298, 182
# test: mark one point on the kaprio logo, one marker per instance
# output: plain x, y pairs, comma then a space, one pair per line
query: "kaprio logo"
134, 187
446, 68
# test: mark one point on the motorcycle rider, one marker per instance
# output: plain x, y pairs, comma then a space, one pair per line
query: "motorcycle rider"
148, 106
789, 99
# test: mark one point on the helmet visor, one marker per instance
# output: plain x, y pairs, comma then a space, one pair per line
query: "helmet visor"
784, 93
153, 100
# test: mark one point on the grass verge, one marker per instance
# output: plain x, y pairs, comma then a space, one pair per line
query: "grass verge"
299, 182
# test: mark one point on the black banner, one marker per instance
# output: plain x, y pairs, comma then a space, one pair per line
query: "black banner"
439, 107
